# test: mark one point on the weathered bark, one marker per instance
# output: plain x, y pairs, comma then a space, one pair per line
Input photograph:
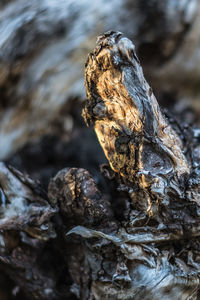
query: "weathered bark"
136, 139
42, 50
137, 232
144, 225
25, 228
156, 247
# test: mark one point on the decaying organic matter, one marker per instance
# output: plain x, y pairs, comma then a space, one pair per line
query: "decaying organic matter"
129, 233
25, 228
137, 141
145, 151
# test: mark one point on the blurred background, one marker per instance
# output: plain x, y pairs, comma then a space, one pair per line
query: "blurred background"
43, 48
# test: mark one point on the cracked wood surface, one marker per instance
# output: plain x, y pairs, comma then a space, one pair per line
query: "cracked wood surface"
134, 237
136, 138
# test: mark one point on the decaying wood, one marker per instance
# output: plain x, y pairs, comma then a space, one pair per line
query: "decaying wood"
23, 206
43, 45
145, 151
25, 228
136, 139
78, 198
137, 235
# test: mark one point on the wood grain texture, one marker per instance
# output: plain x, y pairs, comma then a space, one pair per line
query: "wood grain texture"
137, 140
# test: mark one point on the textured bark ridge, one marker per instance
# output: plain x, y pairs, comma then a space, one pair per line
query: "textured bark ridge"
23, 205
25, 229
137, 140
148, 159
131, 235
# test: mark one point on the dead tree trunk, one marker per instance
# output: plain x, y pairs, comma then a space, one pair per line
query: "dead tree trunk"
154, 252
137, 236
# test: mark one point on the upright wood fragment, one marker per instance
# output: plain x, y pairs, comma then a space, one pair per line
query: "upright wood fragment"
136, 138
